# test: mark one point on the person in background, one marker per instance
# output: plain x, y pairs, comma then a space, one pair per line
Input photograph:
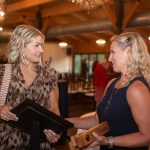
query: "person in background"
100, 80
84, 69
30, 80
126, 100
94, 64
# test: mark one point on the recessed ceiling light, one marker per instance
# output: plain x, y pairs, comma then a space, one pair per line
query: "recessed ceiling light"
63, 44
1, 29
100, 41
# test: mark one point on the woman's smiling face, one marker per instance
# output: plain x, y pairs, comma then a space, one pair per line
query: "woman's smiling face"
118, 57
34, 50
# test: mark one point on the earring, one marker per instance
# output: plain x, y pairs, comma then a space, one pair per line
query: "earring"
23, 58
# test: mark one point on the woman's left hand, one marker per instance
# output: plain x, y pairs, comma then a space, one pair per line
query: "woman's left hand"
51, 136
99, 140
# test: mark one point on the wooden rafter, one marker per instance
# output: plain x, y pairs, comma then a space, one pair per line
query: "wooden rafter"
110, 14
79, 16
26, 4
100, 35
78, 38
63, 19
67, 39
143, 31
90, 35
16, 19
30, 13
45, 25
27, 21
62, 9
131, 13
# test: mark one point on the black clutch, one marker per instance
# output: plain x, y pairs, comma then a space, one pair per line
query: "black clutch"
30, 112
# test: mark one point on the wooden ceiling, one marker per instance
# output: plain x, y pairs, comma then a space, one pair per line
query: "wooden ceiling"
60, 15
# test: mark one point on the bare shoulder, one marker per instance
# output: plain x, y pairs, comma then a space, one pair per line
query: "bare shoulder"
137, 92
138, 97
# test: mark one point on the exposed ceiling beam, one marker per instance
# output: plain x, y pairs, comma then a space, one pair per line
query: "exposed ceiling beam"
95, 14
31, 13
27, 21
139, 20
62, 9
78, 16
45, 25
90, 35
67, 39
110, 14
144, 31
107, 33
63, 20
131, 13
119, 14
83, 27
102, 35
18, 19
25, 4
78, 38
145, 4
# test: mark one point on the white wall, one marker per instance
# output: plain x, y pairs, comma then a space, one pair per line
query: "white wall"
60, 61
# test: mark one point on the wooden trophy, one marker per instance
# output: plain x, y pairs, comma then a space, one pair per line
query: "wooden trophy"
84, 139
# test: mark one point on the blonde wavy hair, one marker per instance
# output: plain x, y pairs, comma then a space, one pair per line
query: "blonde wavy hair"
21, 36
139, 57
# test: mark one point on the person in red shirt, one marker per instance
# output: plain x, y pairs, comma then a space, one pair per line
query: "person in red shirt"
100, 80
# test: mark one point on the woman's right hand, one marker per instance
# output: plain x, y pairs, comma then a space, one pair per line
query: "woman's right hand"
6, 114
51, 135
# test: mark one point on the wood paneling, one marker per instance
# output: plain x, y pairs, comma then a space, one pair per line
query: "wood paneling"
63, 12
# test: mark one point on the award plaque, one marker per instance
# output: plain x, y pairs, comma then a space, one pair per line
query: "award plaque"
30, 114
84, 139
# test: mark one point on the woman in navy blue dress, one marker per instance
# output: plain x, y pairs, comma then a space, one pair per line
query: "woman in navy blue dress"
126, 100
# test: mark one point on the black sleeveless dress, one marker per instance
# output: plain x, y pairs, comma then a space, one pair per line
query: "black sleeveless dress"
116, 111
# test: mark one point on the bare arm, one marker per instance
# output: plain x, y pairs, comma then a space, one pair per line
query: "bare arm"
138, 97
85, 122
51, 135
6, 114
89, 121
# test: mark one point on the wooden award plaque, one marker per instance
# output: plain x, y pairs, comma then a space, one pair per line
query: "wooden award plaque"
84, 139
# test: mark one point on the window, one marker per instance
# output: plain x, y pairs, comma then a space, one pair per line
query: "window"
89, 60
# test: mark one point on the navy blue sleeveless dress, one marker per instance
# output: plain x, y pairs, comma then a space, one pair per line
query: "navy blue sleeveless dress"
117, 113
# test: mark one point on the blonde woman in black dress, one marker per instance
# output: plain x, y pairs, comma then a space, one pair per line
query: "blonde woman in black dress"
126, 100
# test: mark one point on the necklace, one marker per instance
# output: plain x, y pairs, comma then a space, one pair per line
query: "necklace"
113, 93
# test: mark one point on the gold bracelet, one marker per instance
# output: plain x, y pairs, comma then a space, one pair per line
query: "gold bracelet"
110, 142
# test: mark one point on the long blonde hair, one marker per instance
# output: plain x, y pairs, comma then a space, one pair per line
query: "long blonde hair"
139, 57
21, 36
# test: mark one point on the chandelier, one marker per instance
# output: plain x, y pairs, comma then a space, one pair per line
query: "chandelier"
89, 4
